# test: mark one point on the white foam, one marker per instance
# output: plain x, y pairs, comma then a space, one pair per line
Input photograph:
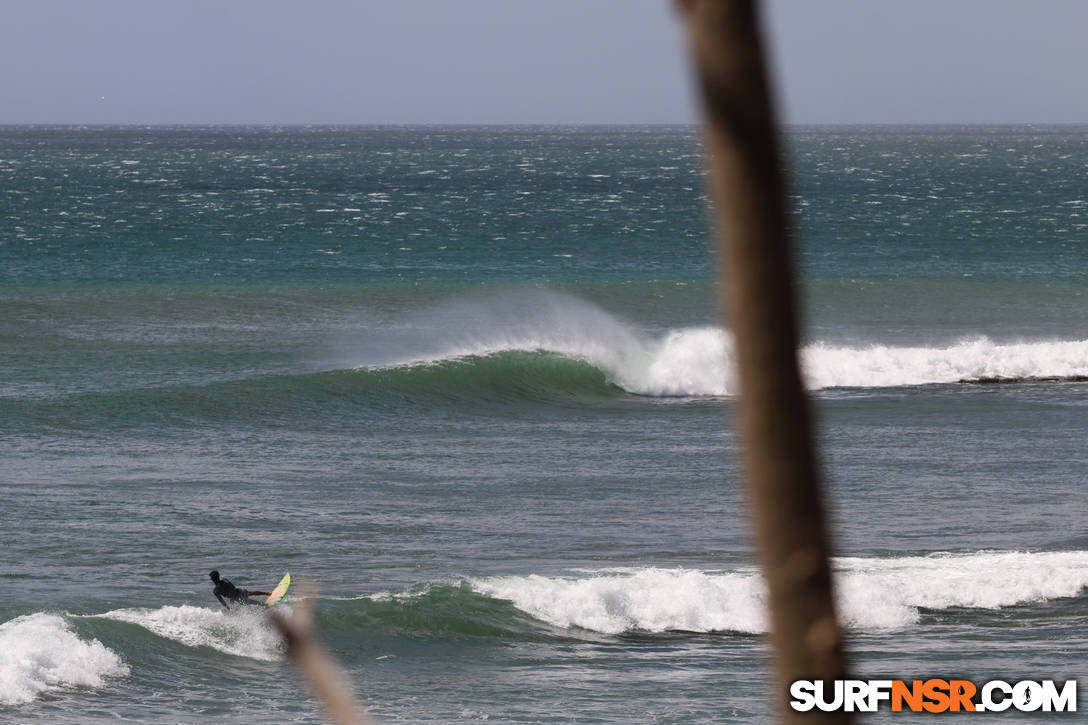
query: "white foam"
40, 654
689, 362
699, 362
874, 594
883, 593
240, 632
653, 600
880, 365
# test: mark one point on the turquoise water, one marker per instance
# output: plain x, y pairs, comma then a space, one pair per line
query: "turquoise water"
471, 383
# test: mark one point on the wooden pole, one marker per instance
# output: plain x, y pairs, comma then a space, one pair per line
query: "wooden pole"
327, 681
748, 196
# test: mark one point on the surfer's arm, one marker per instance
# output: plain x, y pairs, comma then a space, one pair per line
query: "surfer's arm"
221, 600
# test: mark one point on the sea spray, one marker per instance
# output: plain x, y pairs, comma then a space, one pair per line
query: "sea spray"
39, 654
525, 320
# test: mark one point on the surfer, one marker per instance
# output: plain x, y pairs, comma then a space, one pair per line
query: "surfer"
224, 588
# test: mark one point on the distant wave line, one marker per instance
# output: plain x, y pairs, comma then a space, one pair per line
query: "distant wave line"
684, 363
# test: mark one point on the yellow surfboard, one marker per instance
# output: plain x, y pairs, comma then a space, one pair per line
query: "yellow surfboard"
279, 591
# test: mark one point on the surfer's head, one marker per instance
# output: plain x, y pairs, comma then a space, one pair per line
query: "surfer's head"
214, 575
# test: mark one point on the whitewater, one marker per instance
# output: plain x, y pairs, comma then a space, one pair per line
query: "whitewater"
873, 594
40, 655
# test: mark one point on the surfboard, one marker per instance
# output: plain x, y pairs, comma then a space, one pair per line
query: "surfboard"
279, 591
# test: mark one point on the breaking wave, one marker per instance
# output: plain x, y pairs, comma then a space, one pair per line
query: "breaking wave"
523, 340
242, 633
874, 593
549, 347
40, 654
698, 362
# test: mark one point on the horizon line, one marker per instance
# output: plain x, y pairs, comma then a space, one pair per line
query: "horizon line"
533, 124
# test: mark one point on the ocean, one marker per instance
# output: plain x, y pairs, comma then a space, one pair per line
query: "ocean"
470, 384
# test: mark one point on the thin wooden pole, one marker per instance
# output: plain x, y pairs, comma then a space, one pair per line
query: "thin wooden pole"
748, 194
326, 679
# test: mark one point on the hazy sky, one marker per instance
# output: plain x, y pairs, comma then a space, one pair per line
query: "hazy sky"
527, 61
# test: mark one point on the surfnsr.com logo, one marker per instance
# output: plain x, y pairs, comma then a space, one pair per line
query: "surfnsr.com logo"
934, 695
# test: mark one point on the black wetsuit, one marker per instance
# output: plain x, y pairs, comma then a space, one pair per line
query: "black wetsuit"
224, 588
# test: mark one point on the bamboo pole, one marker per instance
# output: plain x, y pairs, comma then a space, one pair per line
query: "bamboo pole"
753, 240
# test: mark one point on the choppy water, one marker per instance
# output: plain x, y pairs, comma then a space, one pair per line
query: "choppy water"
470, 381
